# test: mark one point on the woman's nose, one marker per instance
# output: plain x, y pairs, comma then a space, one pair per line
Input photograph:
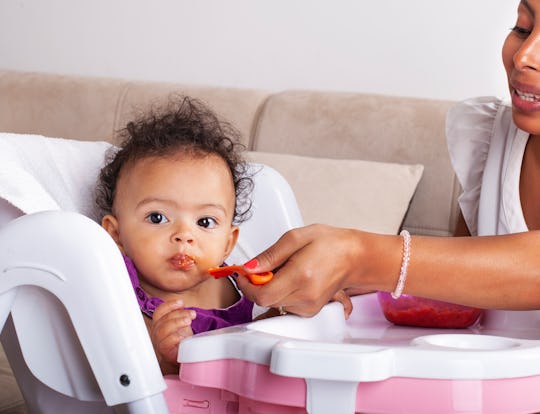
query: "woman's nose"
528, 54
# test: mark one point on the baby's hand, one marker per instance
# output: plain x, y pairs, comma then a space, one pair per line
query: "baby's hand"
170, 325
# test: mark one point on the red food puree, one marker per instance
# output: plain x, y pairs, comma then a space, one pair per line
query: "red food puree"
414, 311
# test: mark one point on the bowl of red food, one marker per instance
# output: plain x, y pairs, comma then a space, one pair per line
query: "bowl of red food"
411, 310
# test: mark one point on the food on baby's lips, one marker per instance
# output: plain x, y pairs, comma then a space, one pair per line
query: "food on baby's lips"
182, 261
429, 313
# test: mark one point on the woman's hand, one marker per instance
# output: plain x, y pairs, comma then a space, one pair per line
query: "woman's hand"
311, 265
170, 325
342, 297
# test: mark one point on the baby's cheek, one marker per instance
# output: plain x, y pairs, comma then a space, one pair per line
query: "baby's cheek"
204, 264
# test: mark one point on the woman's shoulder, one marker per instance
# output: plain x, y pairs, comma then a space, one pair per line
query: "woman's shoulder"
471, 127
478, 115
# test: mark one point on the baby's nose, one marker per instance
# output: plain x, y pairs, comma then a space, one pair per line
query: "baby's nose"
182, 236
183, 239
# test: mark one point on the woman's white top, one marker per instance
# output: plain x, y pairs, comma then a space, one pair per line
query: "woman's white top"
486, 149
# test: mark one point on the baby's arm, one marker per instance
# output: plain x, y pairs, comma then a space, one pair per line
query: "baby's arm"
170, 325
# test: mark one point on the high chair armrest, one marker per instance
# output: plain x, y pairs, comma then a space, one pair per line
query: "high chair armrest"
76, 317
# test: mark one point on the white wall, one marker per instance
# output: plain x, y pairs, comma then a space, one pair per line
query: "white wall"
427, 48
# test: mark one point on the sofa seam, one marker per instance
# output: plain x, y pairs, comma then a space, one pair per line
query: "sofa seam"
454, 207
255, 127
119, 104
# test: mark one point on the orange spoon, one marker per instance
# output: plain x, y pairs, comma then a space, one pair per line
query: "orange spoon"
255, 278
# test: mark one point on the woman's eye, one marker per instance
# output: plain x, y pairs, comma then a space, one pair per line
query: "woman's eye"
207, 222
156, 218
520, 31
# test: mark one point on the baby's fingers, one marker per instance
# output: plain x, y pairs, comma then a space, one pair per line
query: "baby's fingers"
173, 308
166, 308
169, 334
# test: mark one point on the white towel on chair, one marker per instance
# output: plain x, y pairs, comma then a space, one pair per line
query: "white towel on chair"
39, 173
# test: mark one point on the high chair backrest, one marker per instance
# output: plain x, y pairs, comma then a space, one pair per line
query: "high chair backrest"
72, 329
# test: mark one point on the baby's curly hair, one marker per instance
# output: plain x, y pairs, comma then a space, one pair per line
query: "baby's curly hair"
185, 125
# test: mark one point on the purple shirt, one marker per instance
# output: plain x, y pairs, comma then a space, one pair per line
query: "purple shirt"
207, 319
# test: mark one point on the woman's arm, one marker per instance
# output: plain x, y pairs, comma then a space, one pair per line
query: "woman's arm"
316, 261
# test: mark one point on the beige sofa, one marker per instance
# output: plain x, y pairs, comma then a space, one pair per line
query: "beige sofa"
336, 125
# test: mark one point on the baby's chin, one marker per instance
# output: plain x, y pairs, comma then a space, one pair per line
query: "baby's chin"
173, 282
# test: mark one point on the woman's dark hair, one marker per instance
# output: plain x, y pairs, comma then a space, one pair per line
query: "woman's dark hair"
184, 124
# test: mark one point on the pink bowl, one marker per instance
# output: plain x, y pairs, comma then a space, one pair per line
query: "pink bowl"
415, 311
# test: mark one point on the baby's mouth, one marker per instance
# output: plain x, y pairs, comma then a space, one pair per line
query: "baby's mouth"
182, 261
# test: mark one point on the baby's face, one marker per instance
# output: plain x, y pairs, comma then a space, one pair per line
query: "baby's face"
173, 218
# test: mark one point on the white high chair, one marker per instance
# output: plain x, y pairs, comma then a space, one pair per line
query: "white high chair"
72, 329
76, 339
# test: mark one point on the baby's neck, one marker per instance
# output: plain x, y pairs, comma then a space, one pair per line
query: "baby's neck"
209, 294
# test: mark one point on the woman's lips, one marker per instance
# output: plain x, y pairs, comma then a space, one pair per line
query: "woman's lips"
525, 101
527, 96
182, 261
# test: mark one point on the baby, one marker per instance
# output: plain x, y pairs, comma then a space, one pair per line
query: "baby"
172, 196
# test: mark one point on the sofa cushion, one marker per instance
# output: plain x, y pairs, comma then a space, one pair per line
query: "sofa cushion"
93, 109
349, 125
237, 106
367, 195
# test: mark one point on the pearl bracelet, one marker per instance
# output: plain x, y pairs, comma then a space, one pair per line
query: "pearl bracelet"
404, 264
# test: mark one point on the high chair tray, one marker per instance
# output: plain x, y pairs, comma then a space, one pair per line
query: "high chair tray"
366, 364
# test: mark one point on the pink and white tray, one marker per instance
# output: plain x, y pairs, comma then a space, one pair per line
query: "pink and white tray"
326, 364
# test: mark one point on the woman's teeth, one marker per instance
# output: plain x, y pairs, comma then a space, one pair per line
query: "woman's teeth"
528, 96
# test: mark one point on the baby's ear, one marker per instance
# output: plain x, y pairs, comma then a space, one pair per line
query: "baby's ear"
233, 238
110, 224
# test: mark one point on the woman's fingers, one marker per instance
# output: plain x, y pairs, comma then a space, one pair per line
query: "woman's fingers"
342, 297
312, 264
277, 254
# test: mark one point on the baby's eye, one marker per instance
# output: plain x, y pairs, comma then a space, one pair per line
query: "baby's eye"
207, 222
156, 218
520, 31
